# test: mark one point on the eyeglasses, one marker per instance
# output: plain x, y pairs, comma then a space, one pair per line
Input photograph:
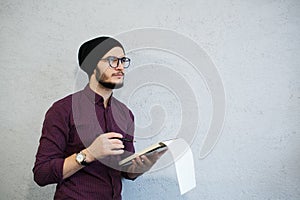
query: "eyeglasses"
115, 61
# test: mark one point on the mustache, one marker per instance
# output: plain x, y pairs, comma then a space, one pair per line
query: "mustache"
118, 74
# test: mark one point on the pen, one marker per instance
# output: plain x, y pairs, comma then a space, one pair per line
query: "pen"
124, 139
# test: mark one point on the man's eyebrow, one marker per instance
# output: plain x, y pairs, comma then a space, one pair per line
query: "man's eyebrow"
117, 56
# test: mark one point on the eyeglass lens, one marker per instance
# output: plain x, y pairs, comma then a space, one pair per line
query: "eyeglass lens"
114, 61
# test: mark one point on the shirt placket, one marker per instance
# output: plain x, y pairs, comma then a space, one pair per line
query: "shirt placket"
107, 128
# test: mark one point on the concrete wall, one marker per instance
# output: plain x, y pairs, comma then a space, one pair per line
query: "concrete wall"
255, 46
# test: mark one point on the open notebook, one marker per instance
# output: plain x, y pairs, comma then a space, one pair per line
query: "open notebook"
158, 147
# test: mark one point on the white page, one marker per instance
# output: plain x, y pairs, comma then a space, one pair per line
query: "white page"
184, 164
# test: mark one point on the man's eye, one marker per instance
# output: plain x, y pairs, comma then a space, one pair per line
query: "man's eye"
113, 59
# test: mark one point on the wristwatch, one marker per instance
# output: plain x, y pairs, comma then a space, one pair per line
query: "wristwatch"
80, 158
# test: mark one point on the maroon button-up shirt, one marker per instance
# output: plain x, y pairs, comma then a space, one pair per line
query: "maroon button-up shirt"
70, 125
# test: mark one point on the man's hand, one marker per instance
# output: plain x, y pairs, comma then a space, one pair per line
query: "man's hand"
143, 163
105, 145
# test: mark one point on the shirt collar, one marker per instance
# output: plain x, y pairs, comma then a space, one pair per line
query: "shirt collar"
94, 97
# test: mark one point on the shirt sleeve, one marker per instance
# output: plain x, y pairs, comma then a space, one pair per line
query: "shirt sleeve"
48, 167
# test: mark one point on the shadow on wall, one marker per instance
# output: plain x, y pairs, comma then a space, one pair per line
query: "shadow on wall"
149, 188
35, 192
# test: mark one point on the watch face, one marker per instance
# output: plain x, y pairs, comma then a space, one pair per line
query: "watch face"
79, 157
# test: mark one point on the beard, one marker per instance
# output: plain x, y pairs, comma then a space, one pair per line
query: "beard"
101, 80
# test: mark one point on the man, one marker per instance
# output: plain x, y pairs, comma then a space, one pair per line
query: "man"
85, 134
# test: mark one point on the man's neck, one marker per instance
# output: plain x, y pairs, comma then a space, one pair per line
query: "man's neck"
102, 91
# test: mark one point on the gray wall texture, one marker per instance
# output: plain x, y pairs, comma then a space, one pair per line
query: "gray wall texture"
255, 46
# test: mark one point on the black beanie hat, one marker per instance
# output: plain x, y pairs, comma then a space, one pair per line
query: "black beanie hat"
93, 50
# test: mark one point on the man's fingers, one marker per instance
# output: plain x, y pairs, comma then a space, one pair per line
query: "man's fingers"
139, 162
113, 135
116, 141
134, 163
117, 152
133, 167
146, 160
117, 146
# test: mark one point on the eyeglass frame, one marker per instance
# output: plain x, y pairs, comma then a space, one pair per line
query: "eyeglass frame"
110, 59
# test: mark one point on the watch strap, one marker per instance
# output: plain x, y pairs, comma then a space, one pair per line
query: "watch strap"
84, 163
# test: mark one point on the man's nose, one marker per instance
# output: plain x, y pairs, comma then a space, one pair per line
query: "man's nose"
120, 66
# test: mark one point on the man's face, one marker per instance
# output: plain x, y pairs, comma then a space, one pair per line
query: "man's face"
107, 76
